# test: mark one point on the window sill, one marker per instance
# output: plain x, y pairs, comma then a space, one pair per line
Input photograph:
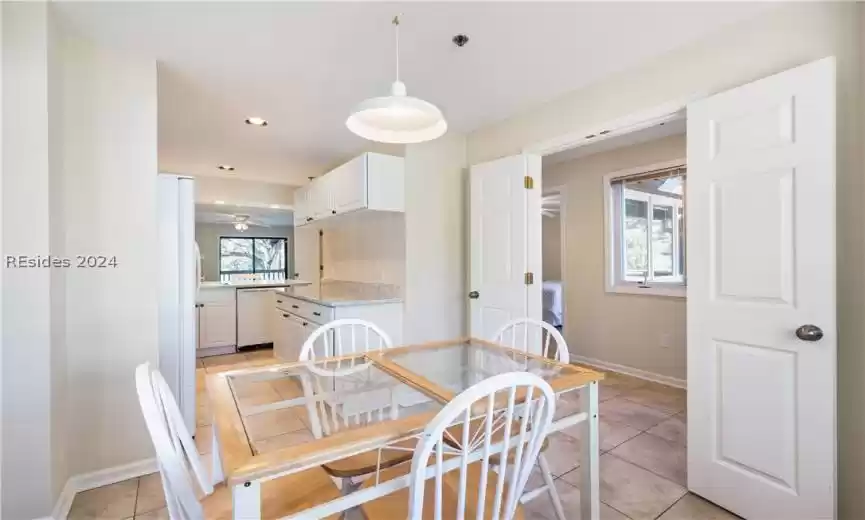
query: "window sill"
668, 290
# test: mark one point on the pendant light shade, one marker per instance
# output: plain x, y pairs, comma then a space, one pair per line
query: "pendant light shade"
397, 118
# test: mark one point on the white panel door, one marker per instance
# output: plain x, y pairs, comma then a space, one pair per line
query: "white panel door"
505, 243
761, 265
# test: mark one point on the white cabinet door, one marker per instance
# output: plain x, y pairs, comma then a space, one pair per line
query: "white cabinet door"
505, 243
253, 316
321, 198
218, 325
301, 206
349, 185
283, 335
761, 283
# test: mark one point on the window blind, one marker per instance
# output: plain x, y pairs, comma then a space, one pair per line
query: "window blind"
663, 173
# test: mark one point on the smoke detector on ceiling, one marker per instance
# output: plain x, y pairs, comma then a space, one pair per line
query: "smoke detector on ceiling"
460, 40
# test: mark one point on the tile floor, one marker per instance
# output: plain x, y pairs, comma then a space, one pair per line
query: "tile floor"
643, 454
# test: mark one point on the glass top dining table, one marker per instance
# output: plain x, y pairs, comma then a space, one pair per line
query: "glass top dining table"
376, 402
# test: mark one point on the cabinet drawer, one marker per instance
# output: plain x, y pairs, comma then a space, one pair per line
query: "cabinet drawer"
313, 312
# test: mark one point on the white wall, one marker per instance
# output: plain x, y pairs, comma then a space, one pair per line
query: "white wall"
790, 35
30, 441
368, 248
207, 236
643, 332
241, 192
435, 227
110, 163
551, 245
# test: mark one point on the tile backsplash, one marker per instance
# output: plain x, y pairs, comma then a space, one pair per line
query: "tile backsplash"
368, 250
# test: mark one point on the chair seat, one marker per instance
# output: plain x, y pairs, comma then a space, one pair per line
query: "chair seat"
368, 462
280, 497
395, 505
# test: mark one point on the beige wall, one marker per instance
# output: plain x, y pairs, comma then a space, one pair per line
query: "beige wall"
790, 35
643, 332
207, 236
435, 249
366, 247
551, 243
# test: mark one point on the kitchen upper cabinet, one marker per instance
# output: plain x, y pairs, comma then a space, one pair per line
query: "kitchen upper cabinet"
371, 181
348, 185
217, 325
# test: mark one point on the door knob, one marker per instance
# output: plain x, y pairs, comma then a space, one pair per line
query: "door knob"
474, 295
809, 333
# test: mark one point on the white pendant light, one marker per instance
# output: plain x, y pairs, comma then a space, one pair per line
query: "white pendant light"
397, 118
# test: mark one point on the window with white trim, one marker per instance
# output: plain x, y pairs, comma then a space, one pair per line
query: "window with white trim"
646, 239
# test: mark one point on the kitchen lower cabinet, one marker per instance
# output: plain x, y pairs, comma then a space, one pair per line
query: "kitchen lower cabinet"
217, 326
291, 332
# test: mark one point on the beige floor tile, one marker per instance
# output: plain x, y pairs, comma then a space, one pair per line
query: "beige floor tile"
692, 507
563, 455
634, 491
244, 388
228, 359
116, 501
611, 433
203, 414
288, 388
565, 407
263, 394
275, 422
217, 369
260, 354
664, 398
542, 506
631, 414
203, 438
151, 496
159, 514
282, 441
660, 456
674, 429
621, 381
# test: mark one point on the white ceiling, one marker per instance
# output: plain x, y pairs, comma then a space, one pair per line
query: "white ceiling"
225, 214
303, 65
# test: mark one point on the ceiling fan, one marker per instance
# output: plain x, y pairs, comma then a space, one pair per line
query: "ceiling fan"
551, 205
239, 221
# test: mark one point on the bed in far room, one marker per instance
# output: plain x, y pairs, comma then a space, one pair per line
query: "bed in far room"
552, 290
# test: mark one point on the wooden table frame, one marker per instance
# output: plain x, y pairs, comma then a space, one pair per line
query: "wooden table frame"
235, 463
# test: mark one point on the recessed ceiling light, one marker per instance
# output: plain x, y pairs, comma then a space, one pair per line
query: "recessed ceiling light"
226, 167
219, 202
274, 206
257, 121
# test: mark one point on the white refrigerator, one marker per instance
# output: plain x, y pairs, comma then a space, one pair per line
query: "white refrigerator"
178, 282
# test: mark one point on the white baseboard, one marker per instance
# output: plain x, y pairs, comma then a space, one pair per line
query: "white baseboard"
630, 371
95, 479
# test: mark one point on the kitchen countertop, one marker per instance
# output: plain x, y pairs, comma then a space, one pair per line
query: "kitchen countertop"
259, 284
333, 297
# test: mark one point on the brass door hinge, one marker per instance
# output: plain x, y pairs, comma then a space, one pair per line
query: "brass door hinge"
528, 182
530, 278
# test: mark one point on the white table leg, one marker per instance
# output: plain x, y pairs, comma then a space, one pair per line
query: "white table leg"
246, 501
590, 501
216, 475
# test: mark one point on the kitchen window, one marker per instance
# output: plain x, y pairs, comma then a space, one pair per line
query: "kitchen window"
645, 231
262, 257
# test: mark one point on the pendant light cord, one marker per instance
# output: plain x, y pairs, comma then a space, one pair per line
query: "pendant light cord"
395, 22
